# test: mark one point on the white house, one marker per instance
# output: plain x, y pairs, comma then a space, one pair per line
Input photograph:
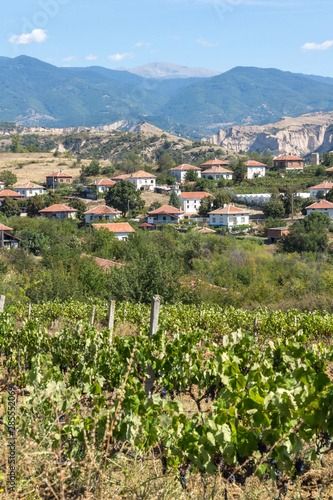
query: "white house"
101, 212
121, 229
143, 180
58, 211
100, 185
30, 189
322, 206
321, 189
229, 216
165, 215
217, 173
255, 169
191, 201
2, 185
179, 173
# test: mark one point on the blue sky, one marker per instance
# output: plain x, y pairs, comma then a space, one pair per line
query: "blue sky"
294, 35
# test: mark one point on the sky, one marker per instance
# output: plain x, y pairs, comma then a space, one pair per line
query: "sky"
291, 35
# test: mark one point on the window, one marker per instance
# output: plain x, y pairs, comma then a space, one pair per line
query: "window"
164, 218
213, 219
242, 220
68, 180
152, 181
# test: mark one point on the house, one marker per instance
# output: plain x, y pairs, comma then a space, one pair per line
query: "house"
57, 179
275, 233
191, 201
122, 177
229, 216
165, 215
141, 179
2, 185
120, 229
179, 173
6, 239
100, 186
217, 173
30, 189
101, 212
214, 163
255, 169
8, 193
289, 162
322, 206
58, 211
321, 190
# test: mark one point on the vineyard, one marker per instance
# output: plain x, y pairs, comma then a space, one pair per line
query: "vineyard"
240, 403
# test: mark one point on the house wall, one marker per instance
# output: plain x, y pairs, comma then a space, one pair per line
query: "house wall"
122, 236
216, 176
57, 180
163, 219
59, 215
253, 172
190, 205
180, 175
316, 192
228, 220
30, 192
327, 211
145, 184
99, 217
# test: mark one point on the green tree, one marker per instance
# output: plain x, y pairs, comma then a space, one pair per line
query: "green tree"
124, 196
191, 176
239, 171
221, 199
80, 206
16, 146
35, 203
174, 199
165, 162
307, 235
9, 207
8, 178
206, 206
327, 159
274, 208
33, 240
93, 168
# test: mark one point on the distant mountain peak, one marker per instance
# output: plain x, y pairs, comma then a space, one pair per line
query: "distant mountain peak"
168, 70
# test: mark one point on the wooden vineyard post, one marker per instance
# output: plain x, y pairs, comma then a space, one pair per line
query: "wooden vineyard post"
255, 326
154, 314
2, 302
93, 316
112, 308
29, 310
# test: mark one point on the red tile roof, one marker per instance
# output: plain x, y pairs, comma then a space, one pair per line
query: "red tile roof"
10, 194
253, 163
195, 194
59, 174
217, 170
321, 204
103, 209
184, 167
121, 177
288, 158
166, 209
5, 228
229, 210
323, 185
145, 224
58, 208
216, 162
329, 169
29, 185
116, 227
102, 182
206, 230
141, 174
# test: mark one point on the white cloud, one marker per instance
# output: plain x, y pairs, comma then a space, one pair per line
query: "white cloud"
121, 57
91, 58
36, 36
204, 43
142, 44
68, 59
317, 46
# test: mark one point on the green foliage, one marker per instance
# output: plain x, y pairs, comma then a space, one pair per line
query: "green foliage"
124, 196
16, 146
33, 240
239, 171
273, 222
108, 170
9, 207
274, 208
191, 176
174, 200
320, 171
308, 235
93, 168
35, 203
327, 159
8, 178
206, 206
80, 206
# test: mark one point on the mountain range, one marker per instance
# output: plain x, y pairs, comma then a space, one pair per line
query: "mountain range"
35, 93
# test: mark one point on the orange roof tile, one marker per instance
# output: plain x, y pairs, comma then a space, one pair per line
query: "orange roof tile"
103, 209
253, 163
59, 174
288, 158
321, 204
5, 228
166, 209
195, 194
121, 177
229, 210
104, 263
206, 230
329, 169
29, 185
323, 185
102, 182
184, 167
217, 170
216, 162
116, 227
58, 208
141, 174
9, 193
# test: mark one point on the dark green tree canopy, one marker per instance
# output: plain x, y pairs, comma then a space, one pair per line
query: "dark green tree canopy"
274, 208
10, 207
80, 206
191, 176
174, 200
8, 178
125, 197
308, 235
35, 203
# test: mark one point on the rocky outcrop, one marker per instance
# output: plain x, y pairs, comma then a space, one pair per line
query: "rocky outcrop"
301, 136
